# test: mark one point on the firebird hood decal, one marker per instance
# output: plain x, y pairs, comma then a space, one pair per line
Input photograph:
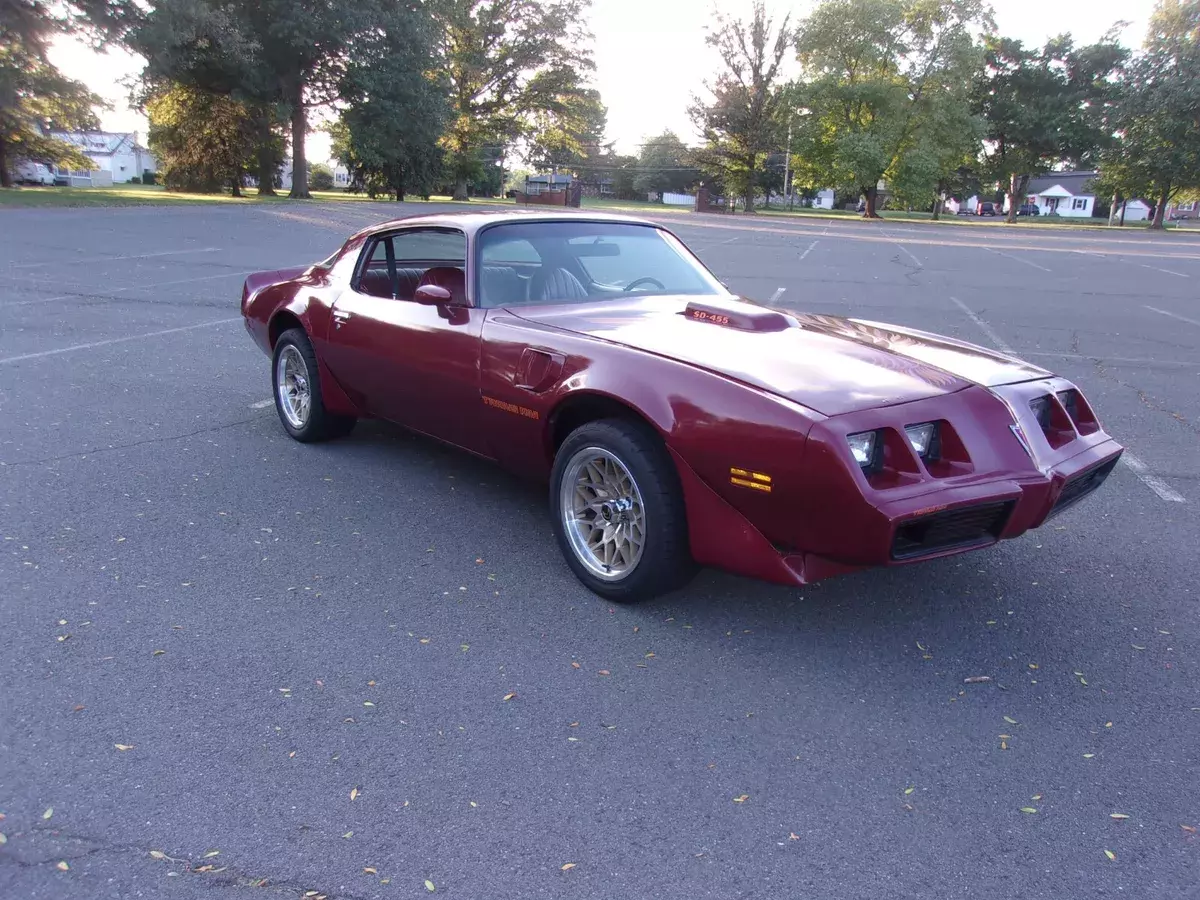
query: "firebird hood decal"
827, 363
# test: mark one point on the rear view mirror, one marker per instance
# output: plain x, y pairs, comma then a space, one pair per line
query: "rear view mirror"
596, 248
431, 295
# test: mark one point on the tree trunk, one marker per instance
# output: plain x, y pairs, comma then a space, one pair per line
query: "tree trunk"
460, 186
266, 156
1161, 210
1016, 195
937, 204
236, 185
1112, 210
5, 175
871, 194
299, 189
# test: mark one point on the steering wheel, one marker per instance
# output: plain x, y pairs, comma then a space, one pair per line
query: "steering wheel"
648, 280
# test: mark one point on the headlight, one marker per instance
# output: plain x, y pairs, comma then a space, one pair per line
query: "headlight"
921, 437
1041, 410
862, 447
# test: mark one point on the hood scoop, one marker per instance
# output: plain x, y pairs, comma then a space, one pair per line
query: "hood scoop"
739, 316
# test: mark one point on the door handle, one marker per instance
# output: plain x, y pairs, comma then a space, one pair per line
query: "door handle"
340, 318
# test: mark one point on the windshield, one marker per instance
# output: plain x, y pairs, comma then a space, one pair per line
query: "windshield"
565, 262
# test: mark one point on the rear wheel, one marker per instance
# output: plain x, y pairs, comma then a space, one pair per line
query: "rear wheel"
297, 383
618, 511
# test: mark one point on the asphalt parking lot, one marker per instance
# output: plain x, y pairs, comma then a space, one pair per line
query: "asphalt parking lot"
304, 650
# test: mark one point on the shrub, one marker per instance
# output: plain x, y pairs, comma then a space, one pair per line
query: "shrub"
320, 178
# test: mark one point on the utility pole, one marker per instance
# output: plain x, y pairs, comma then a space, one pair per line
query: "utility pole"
787, 161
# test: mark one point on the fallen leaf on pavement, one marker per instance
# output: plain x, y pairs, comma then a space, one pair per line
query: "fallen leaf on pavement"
1110, 854
368, 703
348, 835
977, 679
907, 791
510, 695
211, 853
79, 708
1118, 816
1190, 829
741, 799
123, 746
1011, 721
369, 870
3, 839
792, 836
429, 886
157, 854
1028, 809
604, 672
159, 652
567, 867
575, 665
353, 793
1088, 755
61, 865
48, 813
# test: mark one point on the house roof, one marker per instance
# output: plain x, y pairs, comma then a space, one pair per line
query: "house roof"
1075, 184
104, 143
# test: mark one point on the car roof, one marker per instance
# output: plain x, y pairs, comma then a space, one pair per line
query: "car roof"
472, 221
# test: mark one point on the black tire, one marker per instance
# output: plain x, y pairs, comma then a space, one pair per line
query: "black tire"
319, 424
666, 561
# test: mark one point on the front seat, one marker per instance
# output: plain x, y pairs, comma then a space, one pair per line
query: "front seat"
556, 285
447, 277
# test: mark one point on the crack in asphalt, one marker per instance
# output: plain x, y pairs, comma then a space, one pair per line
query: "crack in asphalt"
1149, 402
157, 440
221, 876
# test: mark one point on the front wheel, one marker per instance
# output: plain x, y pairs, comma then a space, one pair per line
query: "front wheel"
297, 383
619, 514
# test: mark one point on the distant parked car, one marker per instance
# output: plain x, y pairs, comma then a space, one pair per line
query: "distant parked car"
964, 210
1029, 209
986, 209
1180, 215
33, 173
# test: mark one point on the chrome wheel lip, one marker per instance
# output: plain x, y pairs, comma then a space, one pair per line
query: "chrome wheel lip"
293, 387
602, 513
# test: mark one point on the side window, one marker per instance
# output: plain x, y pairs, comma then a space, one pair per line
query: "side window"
448, 247
415, 252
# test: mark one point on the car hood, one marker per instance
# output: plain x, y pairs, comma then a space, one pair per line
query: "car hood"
830, 364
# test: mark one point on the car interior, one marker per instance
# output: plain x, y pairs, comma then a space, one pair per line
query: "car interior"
532, 264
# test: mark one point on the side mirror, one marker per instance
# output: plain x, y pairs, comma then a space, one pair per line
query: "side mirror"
431, 295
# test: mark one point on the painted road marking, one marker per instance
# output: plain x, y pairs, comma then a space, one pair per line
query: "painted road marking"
910, 255
985, 328
112, 295
1018, 259
1163, 312
808, 250
778, 293
1164, 271
120, 340
62, 262
1149, 479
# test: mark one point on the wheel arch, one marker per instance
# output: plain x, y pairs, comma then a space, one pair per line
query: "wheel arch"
283, 320
582, 406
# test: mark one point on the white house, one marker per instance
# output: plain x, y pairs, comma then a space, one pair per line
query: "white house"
1067, 194
118, 154
824, 199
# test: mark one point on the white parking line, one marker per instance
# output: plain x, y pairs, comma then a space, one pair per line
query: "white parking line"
72, 262
1018, 259
985, 328
1150, 480
1163, 312
778, 293
809, 250
1164, 271
910, 254
120, 340
132, 287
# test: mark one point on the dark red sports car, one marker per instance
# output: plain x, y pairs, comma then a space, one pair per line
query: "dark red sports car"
677, 424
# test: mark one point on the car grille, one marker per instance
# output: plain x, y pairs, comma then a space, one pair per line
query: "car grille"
954, 529
1080, 485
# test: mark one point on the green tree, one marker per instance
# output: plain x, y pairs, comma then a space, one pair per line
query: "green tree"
664, 164
1044, 107
740, 124
505, 60
568, 134
394, 109
35, 97
204, 141
877, 74
1158, 116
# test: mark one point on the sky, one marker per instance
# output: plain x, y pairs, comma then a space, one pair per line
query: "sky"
650, 56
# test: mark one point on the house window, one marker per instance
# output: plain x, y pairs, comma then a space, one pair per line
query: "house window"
1079, 203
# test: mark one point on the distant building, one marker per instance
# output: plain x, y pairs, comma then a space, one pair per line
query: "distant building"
1067, 194
120, 155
